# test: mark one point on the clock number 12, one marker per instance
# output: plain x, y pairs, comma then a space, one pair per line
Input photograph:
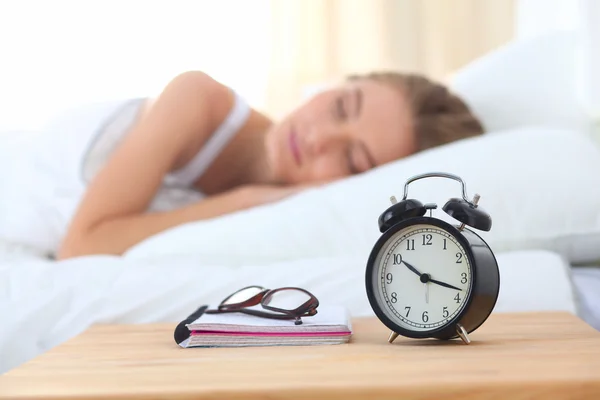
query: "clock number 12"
427, 239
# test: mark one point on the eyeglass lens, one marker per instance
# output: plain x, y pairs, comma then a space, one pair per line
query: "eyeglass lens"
286, 299
243, 295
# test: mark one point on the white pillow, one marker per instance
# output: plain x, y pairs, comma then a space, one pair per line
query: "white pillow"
541, 187
526, 82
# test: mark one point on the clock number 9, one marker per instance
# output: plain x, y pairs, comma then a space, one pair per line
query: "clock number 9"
388, 277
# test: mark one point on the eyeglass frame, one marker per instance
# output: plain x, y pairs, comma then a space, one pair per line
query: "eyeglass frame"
306, 309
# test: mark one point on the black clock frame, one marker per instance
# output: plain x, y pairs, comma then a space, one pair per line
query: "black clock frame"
485, 281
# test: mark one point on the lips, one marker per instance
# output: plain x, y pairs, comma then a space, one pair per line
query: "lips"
293, 140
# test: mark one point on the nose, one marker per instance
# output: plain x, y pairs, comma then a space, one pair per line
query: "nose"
322, 139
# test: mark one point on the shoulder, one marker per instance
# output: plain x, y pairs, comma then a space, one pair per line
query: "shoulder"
196, 80
197, 89
199, 83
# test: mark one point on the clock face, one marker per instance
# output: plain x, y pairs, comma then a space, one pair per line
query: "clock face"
422, 277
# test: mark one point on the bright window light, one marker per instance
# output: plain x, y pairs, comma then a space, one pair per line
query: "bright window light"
56, 53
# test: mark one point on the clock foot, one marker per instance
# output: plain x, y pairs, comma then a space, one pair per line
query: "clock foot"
393, 336
462, 333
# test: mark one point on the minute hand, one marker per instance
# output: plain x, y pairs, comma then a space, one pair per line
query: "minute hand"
444, 284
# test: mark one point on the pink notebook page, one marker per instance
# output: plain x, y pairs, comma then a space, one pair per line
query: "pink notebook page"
212, 333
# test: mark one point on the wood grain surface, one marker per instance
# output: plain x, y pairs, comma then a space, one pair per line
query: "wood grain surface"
512, 356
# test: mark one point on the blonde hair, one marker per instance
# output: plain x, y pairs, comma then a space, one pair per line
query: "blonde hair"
439, 116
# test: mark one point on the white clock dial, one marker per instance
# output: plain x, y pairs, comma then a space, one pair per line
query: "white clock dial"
422, 277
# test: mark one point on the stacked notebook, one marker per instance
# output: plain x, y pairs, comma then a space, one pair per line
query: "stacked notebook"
331, 325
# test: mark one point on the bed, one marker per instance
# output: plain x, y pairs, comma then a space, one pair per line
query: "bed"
540, 184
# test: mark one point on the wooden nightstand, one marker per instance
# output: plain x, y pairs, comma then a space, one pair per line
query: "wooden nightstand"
512, 356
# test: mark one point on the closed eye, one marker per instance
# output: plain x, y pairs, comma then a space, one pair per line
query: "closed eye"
359, 158
340, 109
351, 164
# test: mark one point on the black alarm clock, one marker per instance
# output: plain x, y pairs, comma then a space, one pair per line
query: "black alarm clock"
428, 278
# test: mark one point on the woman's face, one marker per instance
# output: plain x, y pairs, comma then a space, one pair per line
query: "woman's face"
341, 132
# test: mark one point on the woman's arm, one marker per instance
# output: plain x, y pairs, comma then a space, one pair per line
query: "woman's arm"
112, 216
116, 235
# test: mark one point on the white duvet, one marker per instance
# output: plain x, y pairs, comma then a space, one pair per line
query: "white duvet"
43, 303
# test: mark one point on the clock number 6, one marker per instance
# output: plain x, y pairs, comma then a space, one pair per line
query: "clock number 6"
424, 316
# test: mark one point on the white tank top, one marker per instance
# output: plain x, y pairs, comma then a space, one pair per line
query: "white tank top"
177, 189
186, 176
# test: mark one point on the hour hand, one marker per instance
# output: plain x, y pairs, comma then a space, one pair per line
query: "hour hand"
413, 269
444, 284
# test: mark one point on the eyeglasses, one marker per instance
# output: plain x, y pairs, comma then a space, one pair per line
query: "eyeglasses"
285, 303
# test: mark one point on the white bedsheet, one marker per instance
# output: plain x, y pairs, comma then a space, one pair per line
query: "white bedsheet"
43, 303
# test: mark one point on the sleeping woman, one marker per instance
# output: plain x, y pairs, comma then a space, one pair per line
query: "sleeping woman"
200, 135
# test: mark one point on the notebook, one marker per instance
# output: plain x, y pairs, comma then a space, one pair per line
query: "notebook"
331, 325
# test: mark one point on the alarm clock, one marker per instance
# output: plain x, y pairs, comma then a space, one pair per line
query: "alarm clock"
428, 278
